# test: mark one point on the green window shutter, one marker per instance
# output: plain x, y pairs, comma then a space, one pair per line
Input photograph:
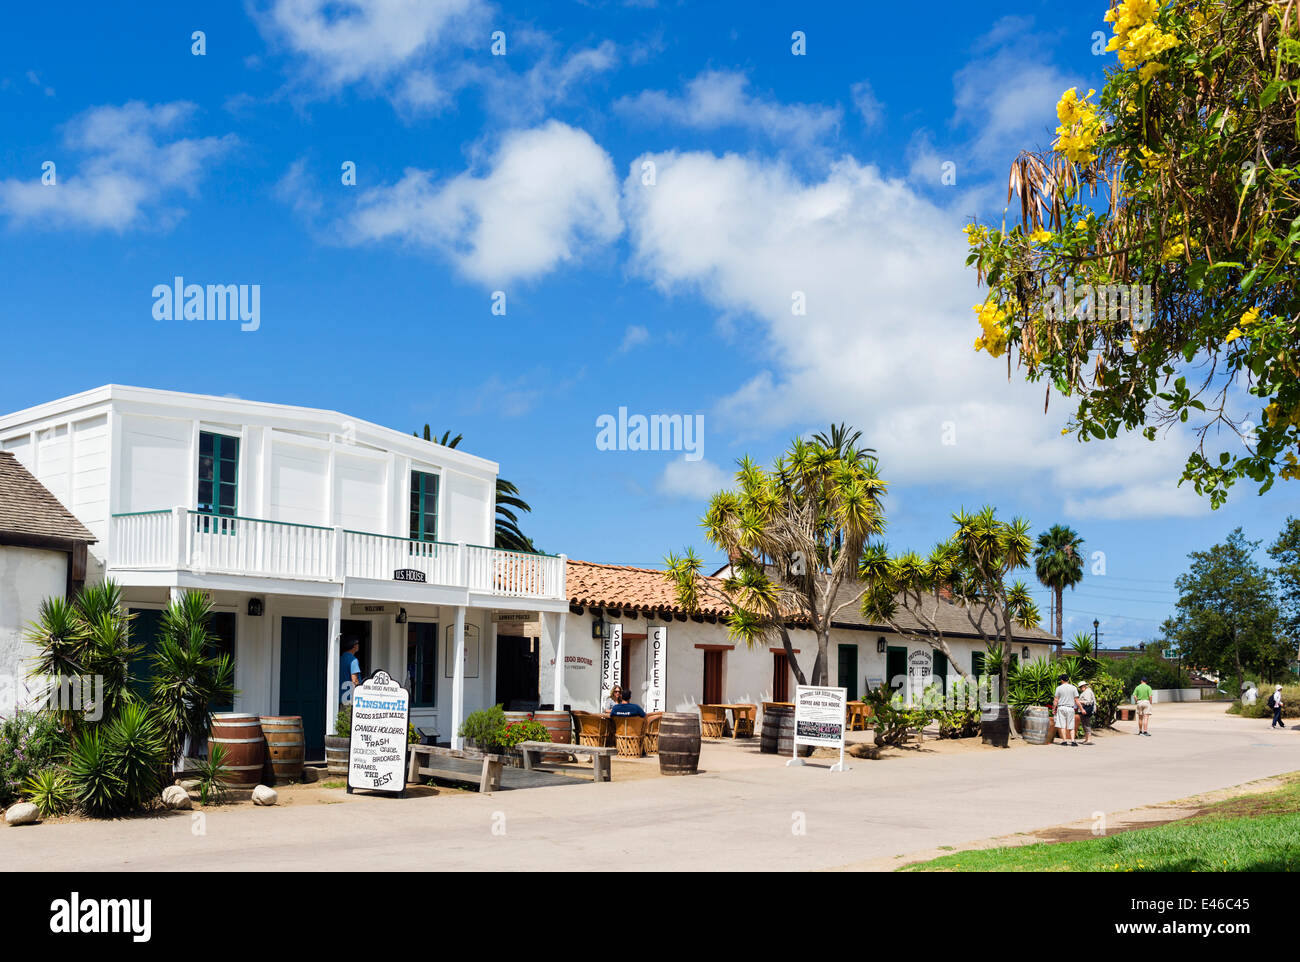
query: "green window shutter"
941, 668
977, 663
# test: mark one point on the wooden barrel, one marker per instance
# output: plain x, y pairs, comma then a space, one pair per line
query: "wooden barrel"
785, 737
995, 725
1037, 726
514, 717
285, 748
679, 743
560, 725
241, 735
336, 754
772, 715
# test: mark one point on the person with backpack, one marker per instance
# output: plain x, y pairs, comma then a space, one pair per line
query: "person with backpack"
1275, 703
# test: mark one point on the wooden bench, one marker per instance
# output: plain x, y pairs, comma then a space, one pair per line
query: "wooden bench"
489, 780
600, 755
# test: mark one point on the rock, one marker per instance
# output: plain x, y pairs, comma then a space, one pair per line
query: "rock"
310, 775
22, 813
862, 750
189, 784
174, 796
262, 795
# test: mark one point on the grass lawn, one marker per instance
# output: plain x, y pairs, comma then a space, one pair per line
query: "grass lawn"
1252, 833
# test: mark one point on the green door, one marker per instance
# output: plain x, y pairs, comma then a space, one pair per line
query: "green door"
145, 623
896, 667
304, 649
848, 676
940, 676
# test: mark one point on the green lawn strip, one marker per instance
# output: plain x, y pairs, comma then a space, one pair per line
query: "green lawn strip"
1258, 832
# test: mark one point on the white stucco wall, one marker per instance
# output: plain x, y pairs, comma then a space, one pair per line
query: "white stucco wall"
27, 577
746, 673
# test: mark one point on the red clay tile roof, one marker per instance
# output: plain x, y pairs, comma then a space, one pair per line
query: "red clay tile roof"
624, 586
28, 508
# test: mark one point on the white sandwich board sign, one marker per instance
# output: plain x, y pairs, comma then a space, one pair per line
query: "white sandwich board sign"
381, 716
819, 720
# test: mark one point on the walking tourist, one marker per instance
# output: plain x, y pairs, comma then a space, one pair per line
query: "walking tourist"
1087, 710
1142, 697
1275, 703
1064, 705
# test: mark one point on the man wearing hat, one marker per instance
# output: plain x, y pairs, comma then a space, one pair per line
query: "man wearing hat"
1275, 703
1087, 709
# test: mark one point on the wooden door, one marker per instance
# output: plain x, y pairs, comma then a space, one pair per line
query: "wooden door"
713, 677
848, 671
780, 676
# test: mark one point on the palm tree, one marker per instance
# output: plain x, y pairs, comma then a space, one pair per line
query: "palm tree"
1058, 563
187, 677
508, 535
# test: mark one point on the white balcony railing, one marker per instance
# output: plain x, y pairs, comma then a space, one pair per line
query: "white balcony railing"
195, 541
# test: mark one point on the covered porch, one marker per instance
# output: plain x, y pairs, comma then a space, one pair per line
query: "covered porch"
452, 620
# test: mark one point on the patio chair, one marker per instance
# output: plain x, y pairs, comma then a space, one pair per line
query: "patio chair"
713, 721
744, 715
650, 739
594, 731
629, 733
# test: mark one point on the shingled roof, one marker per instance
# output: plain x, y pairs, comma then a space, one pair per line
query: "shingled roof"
646, 589
29, 510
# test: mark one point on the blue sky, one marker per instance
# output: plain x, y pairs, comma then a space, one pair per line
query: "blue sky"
777, 177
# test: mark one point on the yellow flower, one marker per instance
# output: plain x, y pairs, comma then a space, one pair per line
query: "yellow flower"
1079, 128
1250, 317
1149, 70
991, 318
1232, 336
1138, 38
1172, 249
1040, 236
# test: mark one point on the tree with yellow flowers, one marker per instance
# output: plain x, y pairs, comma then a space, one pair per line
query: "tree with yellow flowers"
1154, 276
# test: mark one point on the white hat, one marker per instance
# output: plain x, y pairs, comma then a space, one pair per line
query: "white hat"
1278, 688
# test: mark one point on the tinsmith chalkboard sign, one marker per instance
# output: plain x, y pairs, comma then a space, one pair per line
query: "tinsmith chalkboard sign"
381, 712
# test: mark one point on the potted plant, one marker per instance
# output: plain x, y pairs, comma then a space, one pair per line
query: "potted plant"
520, 731
483, 729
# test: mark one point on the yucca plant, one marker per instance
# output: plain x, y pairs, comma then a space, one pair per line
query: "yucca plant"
1031, 684
187, 678
139, 753
97, 788
212, 774
50, 791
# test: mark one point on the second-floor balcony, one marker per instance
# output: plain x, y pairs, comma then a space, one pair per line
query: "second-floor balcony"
179, 539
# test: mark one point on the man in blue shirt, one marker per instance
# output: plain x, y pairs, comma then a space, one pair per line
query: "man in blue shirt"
626, 707
349, 671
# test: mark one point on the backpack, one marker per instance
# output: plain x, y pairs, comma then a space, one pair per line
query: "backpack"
1271, 699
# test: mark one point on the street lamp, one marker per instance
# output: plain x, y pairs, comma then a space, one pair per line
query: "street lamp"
1096, 635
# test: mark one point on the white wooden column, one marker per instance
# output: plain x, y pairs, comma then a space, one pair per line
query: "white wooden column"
332, 664
557, 633
458, 680
176, 594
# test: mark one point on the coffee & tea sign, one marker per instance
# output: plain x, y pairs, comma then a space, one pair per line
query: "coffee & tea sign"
381, 711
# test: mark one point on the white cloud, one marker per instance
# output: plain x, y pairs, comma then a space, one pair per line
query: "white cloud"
341, 42
721, 98
695, 480
550, 194
634, 336
865, 102
886, 341
127, 174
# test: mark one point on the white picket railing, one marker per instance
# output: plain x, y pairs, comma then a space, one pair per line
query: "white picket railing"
380, 556
196, 541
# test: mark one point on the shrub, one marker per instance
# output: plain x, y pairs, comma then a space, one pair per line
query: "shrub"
50, 791
1110, 695
30, 742
1130, 671
524, 731
117, 767
485, 727
212, 774
890, 720
958, 722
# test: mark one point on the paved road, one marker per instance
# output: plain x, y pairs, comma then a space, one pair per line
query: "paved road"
743, 814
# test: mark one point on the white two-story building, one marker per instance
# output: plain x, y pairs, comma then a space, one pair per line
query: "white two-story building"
307, 529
